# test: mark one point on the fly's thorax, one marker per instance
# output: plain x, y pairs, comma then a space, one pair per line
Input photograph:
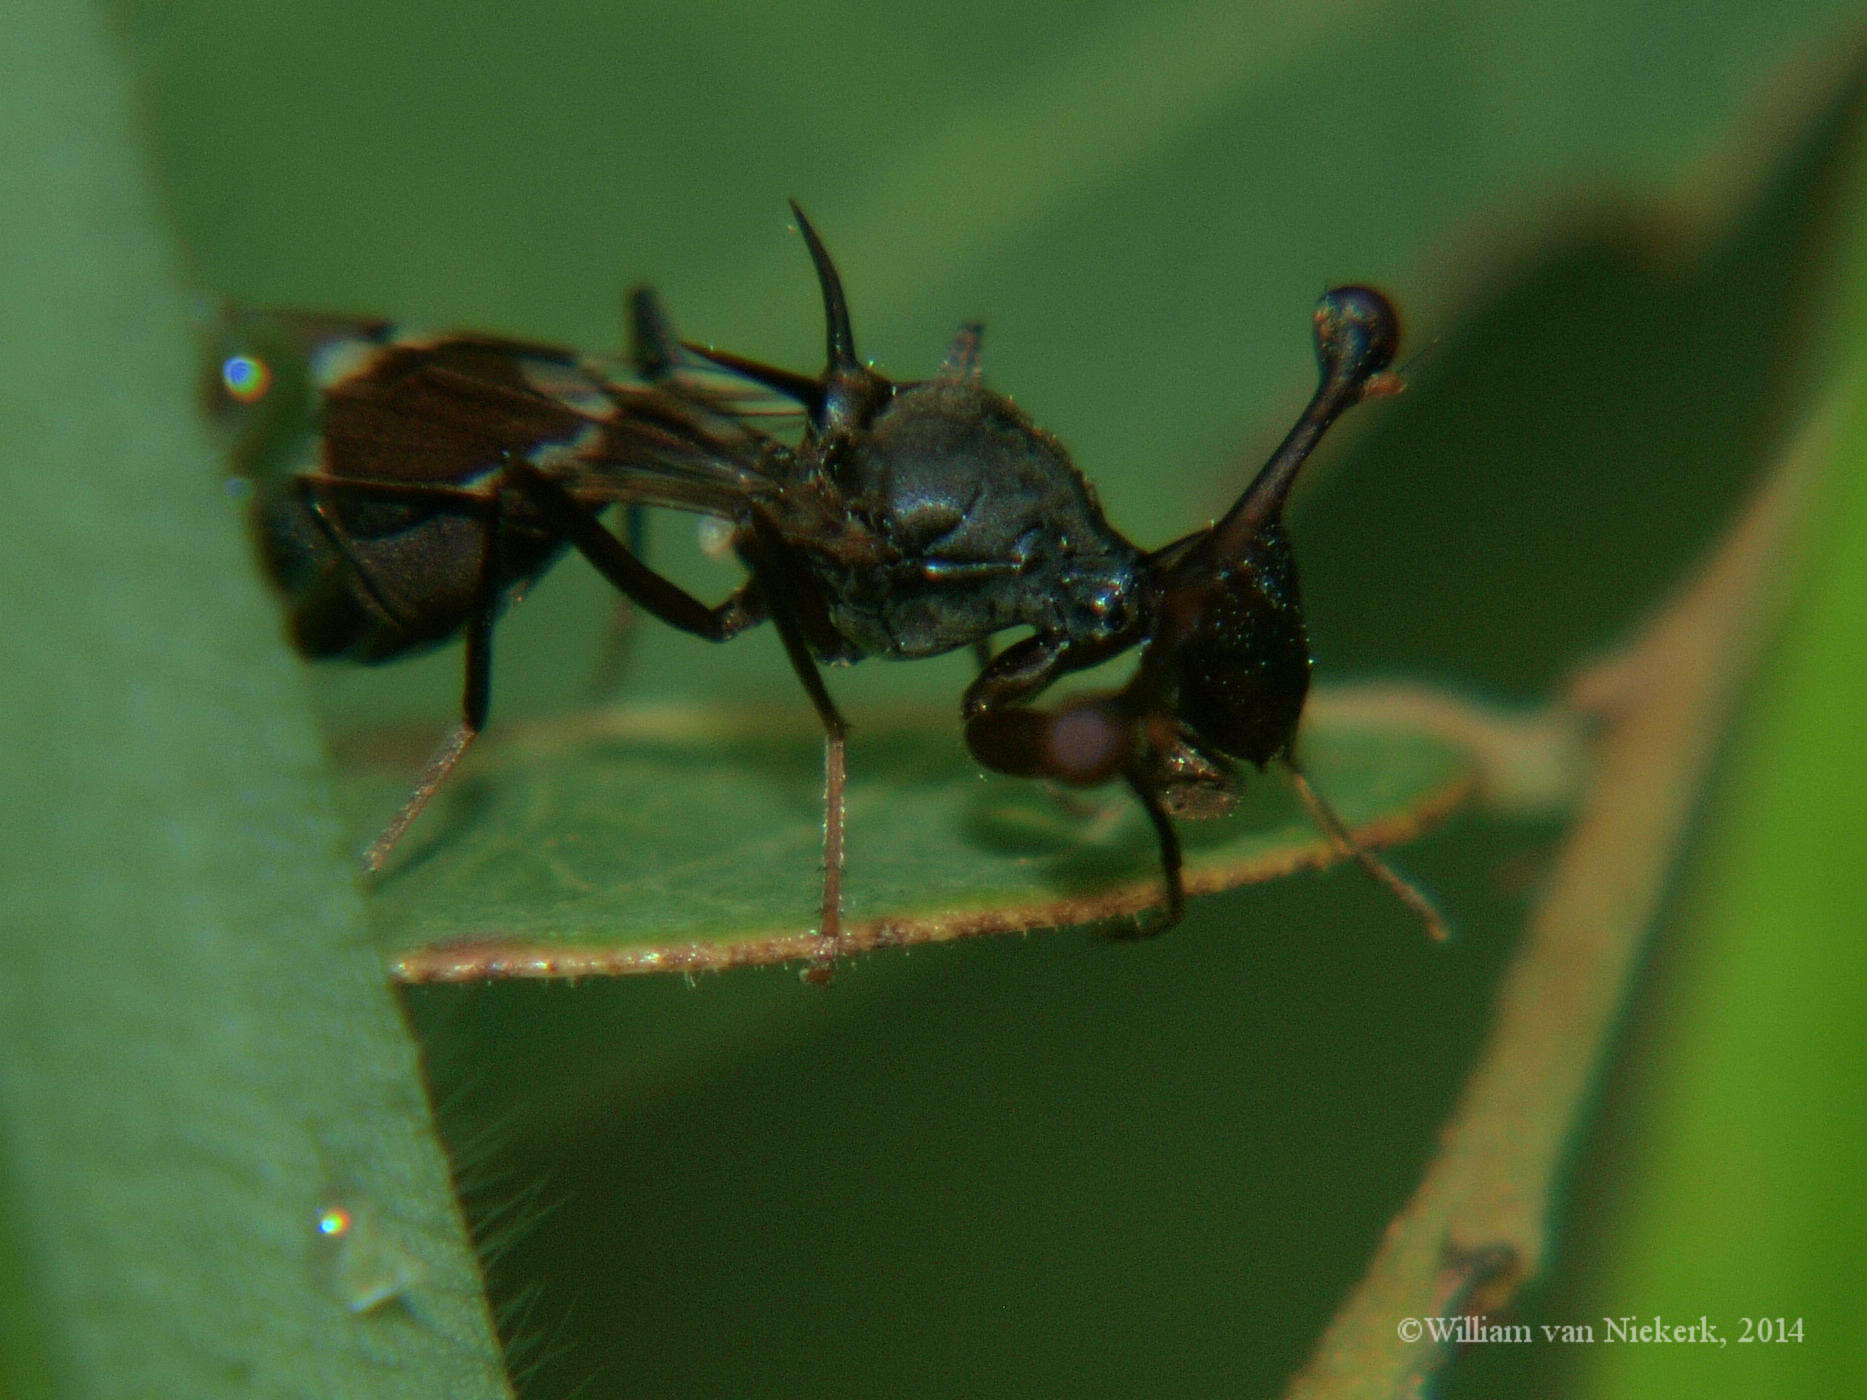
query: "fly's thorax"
959, 480
945, 444
979, 523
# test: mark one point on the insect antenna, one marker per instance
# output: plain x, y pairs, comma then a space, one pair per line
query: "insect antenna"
1372, 865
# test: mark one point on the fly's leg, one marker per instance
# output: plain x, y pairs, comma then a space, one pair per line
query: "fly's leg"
1074, 807
1171, 862
1086, 741
788, 594
835, 776
778, 590
619, 632
316, 491
578, 526
476, 698
1371, 865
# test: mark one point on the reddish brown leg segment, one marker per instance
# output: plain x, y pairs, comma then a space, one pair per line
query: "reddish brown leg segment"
830, 926
439, 766
1377, 869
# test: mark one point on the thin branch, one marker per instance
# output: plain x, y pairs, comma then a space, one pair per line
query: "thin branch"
1478, 1225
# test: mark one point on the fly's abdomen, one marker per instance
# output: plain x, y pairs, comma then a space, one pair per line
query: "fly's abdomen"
371, 583
372, 455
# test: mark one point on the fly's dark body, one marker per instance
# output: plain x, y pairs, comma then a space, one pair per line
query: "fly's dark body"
962, 520
374, 578
404, 486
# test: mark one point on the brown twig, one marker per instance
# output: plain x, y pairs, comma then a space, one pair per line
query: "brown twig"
1478, 1224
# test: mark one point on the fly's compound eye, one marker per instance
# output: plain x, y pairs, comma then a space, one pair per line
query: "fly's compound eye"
246, 378
1113, 607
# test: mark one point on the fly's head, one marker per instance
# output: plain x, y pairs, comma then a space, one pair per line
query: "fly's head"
1224, 676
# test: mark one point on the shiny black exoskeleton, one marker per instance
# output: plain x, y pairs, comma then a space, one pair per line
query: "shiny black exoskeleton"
419, 480
978, 521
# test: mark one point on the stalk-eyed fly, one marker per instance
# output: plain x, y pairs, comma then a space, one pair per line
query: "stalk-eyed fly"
404, 486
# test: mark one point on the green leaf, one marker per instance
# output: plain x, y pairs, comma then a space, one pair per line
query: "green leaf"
1042, 1164
1762, 1020
199, 1062
668, 841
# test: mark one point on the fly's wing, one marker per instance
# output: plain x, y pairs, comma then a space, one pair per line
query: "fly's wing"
370, 401
685, 441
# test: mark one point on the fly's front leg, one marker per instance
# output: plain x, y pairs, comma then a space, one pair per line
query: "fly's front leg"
577, 525
787, 591
1081, 743
1086, 741
778, 590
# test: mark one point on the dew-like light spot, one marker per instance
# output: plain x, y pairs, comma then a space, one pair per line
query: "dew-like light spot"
245, 377
356, 1255
715, 536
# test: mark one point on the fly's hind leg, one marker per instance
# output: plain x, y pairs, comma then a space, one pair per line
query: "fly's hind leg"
316, 490
476, 692
624, 623
475, 702
578, 526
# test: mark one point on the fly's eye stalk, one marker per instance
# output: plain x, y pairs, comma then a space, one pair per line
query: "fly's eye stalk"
1235, 634
1357, 335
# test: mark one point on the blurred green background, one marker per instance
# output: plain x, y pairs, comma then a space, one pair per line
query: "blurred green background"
1059, 1165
